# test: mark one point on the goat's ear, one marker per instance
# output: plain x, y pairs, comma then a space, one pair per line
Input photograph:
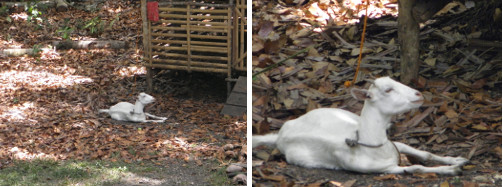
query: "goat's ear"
360, 94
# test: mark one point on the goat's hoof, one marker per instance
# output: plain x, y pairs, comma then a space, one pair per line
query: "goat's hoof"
456, 170
459, 161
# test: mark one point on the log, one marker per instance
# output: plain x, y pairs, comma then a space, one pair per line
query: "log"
408, 36
95, 44
24, 4
61, 5
18, 52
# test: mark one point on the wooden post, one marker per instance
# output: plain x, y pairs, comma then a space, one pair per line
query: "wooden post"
146, 41
229, 47
189, 48
408, 36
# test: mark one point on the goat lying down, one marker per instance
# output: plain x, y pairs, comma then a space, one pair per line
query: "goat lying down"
338, 139
125, 111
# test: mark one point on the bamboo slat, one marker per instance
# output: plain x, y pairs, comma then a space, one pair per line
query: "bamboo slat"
193, 36
194, 63
177, 55
186, 68
212, 11
210, 49
183, 28
191, 16
164, 3
169, 35
192, 22
168, 28
184, 42
169, 48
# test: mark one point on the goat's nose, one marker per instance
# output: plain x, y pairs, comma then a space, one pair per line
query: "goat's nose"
419, 94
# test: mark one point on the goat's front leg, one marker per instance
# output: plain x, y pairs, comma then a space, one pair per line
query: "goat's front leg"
446, 170
162, 119
424, 155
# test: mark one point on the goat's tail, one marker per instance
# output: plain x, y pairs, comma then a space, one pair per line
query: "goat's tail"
104, 111
268, 139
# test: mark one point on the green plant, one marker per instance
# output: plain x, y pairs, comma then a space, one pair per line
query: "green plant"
65, 32
219, 178
95, 26
4, 10
114, 20
33, 12
36, 50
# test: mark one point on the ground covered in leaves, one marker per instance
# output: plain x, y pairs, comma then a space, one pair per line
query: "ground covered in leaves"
460, 77
50, 100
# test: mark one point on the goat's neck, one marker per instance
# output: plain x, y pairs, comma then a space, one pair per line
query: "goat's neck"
138, 107
373, 126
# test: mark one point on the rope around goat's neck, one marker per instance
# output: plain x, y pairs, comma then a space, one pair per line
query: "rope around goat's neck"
353, 143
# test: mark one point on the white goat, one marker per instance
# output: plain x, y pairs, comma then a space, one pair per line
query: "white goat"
338, 139
125, 111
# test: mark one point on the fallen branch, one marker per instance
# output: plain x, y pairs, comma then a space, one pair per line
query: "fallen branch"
110, 44
19, 52
61, 5
25, 4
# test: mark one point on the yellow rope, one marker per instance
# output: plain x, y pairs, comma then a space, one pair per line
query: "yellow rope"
349, 83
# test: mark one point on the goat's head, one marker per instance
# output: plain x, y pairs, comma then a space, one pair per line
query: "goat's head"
145, 98
389, 96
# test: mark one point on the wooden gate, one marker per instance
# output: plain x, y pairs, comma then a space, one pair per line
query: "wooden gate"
199, 37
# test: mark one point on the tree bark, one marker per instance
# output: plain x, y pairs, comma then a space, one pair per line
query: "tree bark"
408, 36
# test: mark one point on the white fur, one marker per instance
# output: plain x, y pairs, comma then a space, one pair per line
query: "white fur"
318, 138
125, 111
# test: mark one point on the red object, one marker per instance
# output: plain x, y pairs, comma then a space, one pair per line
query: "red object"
153, 11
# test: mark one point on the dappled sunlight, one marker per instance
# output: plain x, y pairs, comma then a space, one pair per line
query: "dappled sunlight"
38, 80
23, 154
131, 71
19, 16
49, 54
19, 112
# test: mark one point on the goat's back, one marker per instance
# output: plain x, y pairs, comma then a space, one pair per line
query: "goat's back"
311, 139
320, 126
122, 107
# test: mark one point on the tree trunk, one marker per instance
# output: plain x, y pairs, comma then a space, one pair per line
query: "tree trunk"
408, 36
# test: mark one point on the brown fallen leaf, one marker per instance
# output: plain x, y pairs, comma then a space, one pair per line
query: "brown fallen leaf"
426, 175
445, 184
468, 167
386, 177
470, 184
481, 126
399, 185
451, 114
318, 184
335, 183
274, 177
349, 183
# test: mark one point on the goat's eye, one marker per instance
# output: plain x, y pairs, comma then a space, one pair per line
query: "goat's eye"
388, 90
